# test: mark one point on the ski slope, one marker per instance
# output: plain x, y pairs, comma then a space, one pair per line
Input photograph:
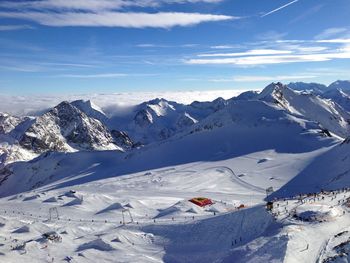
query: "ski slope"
133, 206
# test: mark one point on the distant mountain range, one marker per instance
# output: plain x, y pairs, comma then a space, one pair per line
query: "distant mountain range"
82, 126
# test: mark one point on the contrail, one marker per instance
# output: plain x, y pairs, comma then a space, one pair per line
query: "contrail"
279, 8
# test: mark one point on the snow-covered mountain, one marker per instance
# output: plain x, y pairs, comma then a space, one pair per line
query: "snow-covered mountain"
91, 110
318, 88
341, 97
340, 84
338, 91
8, 123
247, 95
159, 119
74, 202
315, 88
81, 125
329, 114
240, 128
66, 128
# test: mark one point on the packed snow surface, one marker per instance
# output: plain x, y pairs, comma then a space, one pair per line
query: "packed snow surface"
90, 187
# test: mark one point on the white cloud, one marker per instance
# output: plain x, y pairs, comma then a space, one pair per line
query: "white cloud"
331, 32
93, 5
336, 41
271, 35
339, 53
252, 52
117, 19
103, 75
149, 45
109, 102
92, 76
311, 49
225, 46
263, 78
14, 27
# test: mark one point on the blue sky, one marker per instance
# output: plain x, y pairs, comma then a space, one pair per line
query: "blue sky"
88, 46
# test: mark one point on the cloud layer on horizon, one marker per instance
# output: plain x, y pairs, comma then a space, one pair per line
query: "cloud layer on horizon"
111, 103
106, 13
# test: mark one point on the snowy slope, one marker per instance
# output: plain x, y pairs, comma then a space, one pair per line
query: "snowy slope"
340, 97
69, 204
241, 128
91, 110
315, 88
329, 114
340, 84
329, 171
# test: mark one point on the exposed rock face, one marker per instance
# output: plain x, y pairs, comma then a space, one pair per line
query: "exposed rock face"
185, 120
122, 139
346, 141
66, 128
143, 118
8, 123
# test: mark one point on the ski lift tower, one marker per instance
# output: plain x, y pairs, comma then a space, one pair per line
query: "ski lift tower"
129, 213
269, 191
53, 213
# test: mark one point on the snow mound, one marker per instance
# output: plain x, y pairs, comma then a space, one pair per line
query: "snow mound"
33, 197
115, 206
177, 209
21, 230
116, 240
97, 244
75, 201
50, 200
263, 160
318, 213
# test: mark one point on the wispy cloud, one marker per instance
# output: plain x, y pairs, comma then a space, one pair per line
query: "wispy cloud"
93, 5
252, 52
279, 8
14, 27
263, 78
117, 19
103, 75
149, 45
339, 53
331, 32
225, 46
21, 68
336, 40
104, 13
109, 102
73, 65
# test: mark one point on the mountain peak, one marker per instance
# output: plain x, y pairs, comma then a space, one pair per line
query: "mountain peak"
311, 87
273, 92
157, 101
66, 128
90, 109
340, 84
87, 104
